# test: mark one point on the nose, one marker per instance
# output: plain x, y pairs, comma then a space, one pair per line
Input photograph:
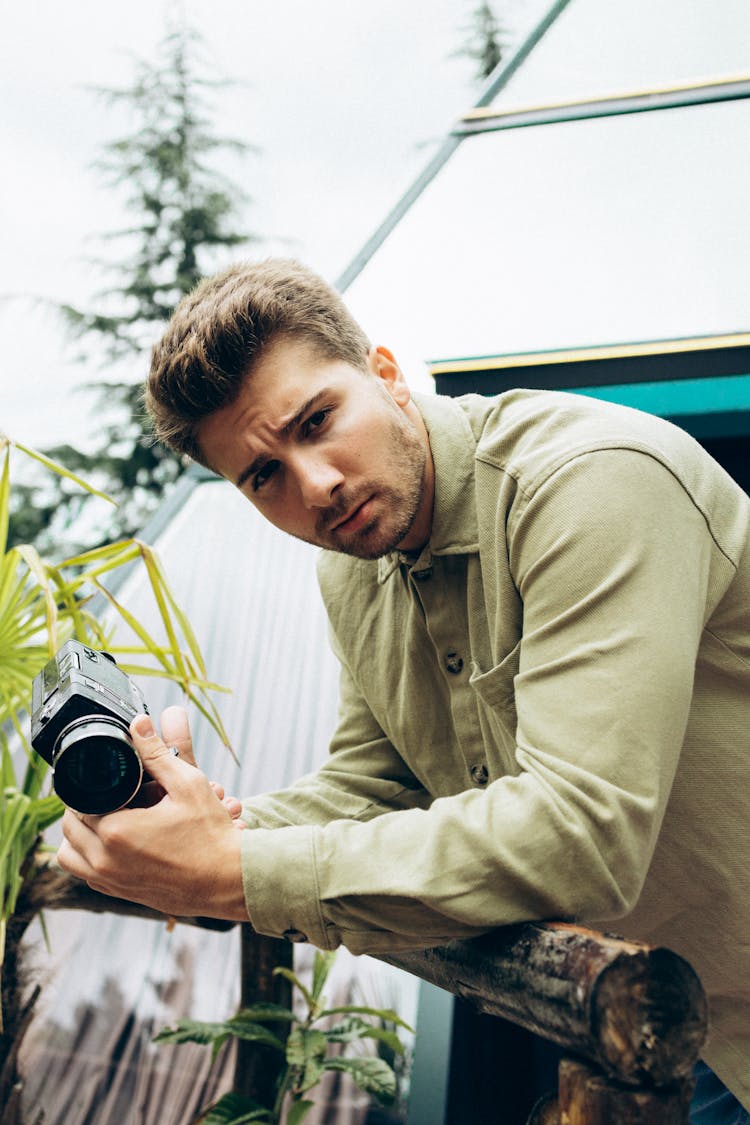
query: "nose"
318, 481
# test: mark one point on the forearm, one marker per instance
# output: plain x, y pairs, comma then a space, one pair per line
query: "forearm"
363, 777
472, 862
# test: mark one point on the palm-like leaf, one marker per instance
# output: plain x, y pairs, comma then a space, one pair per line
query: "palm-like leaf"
41, 605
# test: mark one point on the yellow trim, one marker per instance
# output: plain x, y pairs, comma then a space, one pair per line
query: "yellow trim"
577, 355
486, 112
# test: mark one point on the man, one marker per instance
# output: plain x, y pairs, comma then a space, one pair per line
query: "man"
540, 605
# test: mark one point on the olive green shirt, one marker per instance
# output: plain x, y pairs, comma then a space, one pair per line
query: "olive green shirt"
546, 714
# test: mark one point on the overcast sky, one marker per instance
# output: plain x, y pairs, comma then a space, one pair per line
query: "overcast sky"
345, 103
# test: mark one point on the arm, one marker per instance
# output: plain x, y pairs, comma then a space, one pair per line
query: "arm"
612, 561
362, 778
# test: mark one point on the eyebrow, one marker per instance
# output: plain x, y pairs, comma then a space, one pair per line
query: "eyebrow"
284, 431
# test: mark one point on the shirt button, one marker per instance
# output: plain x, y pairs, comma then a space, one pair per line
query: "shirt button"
454, 663
479, 775
294, 935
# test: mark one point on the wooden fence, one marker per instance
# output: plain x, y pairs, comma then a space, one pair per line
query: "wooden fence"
629, 1017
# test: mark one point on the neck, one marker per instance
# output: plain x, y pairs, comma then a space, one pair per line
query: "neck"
422, 526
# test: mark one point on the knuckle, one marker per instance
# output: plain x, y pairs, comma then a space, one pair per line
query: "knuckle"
111, 833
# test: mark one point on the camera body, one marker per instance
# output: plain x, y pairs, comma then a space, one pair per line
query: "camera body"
82, 705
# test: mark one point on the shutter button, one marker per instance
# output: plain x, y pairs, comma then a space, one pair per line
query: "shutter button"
454, 663
479, 775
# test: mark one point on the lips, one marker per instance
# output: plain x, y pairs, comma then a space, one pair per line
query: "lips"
356, 519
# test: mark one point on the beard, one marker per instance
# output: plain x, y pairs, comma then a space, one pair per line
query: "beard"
397, 502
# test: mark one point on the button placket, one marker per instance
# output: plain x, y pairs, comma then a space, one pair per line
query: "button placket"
449, 634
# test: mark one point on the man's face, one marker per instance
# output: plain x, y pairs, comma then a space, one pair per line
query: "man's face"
334, 455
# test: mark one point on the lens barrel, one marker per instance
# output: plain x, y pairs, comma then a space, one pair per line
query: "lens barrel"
96, 768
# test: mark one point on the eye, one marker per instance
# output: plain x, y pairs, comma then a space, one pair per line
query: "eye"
315, 421
264, 474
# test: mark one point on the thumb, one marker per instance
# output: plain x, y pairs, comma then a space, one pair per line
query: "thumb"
157, 758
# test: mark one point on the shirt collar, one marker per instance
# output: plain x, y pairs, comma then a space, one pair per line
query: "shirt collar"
454, 520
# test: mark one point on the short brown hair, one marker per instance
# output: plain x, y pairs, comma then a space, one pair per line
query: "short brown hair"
219, 331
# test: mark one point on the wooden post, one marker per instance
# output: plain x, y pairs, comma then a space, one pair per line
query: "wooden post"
546, 1111
256, 1068
587, 1097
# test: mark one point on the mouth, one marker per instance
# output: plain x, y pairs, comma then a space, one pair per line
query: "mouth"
355, 520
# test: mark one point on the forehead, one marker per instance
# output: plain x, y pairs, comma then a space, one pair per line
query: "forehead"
287, 375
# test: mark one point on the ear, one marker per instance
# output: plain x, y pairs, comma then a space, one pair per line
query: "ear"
383, 365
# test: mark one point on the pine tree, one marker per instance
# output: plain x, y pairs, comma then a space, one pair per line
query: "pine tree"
184, 216
485, 42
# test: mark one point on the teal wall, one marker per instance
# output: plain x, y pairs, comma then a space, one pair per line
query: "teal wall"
712, 407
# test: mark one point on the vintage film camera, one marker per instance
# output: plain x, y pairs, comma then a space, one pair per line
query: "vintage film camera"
81, 709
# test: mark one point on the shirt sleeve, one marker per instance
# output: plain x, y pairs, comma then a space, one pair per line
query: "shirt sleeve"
363, 777
612, 560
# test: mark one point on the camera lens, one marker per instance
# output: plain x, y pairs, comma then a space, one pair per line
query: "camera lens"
97, 769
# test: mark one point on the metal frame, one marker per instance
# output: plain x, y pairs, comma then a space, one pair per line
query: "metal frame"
490, 119
497, 80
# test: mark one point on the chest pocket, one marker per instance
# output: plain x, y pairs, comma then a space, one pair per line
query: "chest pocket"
497, 708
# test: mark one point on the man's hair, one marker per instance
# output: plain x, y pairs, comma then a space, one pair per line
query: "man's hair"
220, 330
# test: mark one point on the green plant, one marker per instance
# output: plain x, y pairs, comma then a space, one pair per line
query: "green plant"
41, 605
304, 1054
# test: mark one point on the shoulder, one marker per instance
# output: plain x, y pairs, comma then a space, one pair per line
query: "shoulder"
530, 435
544, 441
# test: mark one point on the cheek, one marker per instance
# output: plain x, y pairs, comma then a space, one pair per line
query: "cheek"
284, 511
365, 449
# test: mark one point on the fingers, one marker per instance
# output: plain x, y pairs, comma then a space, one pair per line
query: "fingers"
78, 845
159, 761
231, 804
180, 856
175, 730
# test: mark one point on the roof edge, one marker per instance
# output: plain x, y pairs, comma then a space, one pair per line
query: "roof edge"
675, 345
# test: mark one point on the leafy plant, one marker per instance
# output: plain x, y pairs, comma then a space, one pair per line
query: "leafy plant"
304, 1051
42, 605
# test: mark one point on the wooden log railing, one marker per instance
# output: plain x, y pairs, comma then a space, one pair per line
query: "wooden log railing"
631, 1018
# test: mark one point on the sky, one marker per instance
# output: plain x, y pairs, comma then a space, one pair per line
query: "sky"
344, 102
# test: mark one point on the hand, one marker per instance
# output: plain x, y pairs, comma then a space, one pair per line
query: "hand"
179, 855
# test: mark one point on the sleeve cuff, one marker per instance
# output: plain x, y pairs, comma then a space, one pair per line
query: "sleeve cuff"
280, 883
